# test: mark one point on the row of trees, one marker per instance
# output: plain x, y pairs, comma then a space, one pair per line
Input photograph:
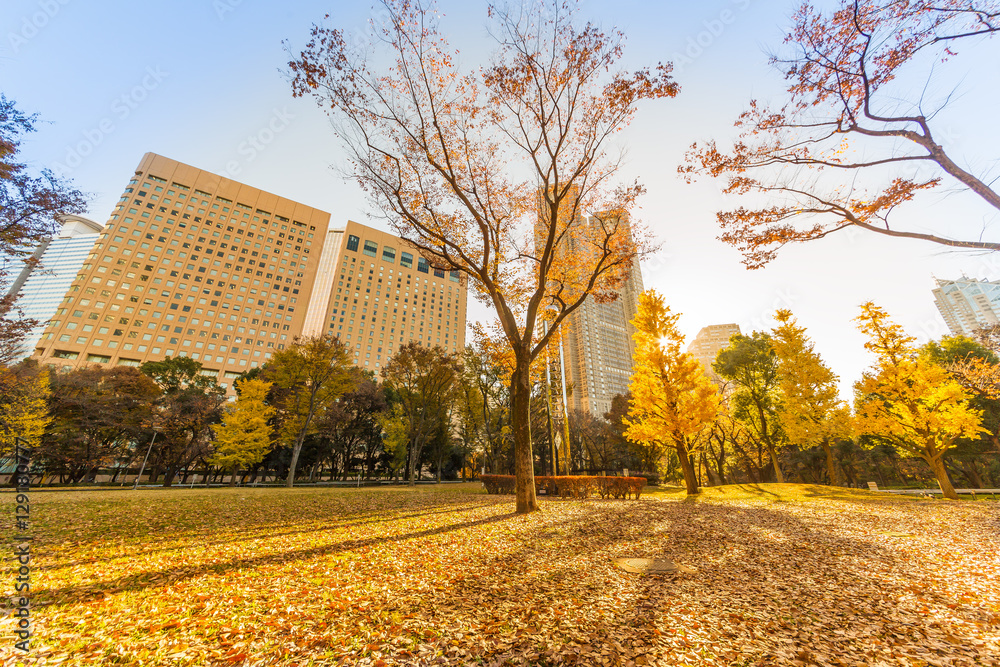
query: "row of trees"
778, 405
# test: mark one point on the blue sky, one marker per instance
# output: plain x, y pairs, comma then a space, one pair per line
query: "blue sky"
196, 80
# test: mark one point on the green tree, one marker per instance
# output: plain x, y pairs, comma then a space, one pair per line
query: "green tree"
810, 408
189, 405
309, 375
426, 381
245, 435
751, 363
910, 401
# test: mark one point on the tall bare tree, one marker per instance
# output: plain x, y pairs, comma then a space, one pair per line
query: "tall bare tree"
490, 171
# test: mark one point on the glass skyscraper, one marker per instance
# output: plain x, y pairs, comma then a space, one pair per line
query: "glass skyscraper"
41, 287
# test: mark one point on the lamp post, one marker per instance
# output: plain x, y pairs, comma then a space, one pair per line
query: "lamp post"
148, 449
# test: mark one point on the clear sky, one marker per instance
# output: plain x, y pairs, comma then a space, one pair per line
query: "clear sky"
195, 80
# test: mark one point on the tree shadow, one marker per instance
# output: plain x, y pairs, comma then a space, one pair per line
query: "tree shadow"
143, 580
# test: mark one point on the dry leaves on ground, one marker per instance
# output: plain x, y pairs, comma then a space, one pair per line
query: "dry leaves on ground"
451, 576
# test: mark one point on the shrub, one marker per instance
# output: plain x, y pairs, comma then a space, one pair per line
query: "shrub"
571, 486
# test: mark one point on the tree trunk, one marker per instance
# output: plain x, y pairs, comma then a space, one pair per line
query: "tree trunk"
937, 465
232, 478
778, 477
831, 465
524, 469
168, 476
713, 477
690, 480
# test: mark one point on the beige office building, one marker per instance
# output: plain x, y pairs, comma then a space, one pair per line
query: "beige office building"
707, 344
376, 293
194, 264
967, 304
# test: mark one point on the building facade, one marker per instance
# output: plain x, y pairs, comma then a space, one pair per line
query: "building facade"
41, 285
597, 341
707, 344
194, 264
376, 293
967, 304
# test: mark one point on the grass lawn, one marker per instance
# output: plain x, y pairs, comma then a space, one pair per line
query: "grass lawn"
785, 574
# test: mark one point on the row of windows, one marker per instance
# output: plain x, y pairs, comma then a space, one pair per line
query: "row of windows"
389, 256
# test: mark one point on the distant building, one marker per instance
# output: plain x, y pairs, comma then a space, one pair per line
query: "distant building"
375, 292
597, 337
709, 341
41, 284
196, 265
967, 304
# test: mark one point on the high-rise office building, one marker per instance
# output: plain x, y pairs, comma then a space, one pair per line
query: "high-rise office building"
376, 293
967, 304
194, 264
597, 337
41, 284
707, 344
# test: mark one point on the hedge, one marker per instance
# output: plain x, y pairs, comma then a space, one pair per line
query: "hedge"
571, 486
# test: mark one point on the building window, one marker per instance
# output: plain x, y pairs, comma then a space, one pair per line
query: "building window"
406, 260
352, 242
389, 255
422, 265
371, 248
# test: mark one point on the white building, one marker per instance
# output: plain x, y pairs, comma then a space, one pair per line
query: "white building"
967, 304
41, 285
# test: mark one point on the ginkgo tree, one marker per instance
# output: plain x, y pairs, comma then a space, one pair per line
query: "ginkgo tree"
856, 136
908, 400
672, 398
246, 435
493, 171
810, 408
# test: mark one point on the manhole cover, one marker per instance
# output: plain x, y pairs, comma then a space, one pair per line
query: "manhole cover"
644, 565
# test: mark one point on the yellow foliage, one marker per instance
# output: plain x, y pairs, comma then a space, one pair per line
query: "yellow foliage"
672, 398
910, 401
24, 411
245, 437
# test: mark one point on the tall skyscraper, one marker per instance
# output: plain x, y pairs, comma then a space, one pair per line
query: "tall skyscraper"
967, 304
597, 337
707, 344
376, 293
194, 264
41, 284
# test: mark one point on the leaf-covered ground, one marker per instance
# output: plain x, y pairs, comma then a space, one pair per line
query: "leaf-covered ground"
784, 575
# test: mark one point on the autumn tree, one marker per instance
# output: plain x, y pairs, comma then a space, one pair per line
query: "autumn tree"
490, 172
190, 403
810, 408
672, 398
98, 414
855, 139
308, 376
30, 203
24, 410
245, 435
351, 424
752, 365
488, 392
426, 382
908, 400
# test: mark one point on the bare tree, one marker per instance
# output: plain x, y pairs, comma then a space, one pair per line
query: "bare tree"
490, 172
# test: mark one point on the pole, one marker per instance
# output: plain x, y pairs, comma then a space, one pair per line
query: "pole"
548, 404
148, 449
562, 371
